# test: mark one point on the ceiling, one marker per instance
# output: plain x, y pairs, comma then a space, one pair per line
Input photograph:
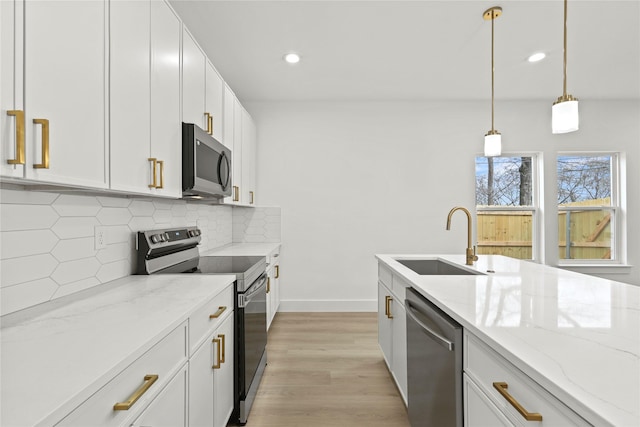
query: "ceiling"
417, 50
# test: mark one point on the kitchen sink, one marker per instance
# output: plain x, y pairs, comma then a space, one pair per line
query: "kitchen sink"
435, 267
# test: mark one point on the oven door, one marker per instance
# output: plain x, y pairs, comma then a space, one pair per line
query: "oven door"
252, 333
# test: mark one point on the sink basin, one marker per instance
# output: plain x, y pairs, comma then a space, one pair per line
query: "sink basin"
435, 267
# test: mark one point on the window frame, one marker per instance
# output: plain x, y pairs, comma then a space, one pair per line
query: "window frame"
537, 203
617, 207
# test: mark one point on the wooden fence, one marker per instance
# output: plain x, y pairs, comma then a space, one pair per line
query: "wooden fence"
510, 233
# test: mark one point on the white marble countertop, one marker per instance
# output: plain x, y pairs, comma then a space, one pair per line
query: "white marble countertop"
243, 249
55, 359
576, 335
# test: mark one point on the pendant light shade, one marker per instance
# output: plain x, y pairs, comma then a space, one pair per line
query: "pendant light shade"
564, 113
493, 139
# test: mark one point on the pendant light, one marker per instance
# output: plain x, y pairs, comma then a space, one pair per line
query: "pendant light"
564, 113
493, 139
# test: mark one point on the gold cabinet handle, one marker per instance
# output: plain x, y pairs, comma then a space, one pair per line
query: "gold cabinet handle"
148, 382
209, 123
387, 308
45, 143
217, 314
219, 347
224, 347
161, 163
252, 197
154, 166
268, 284
529, 416
20, 157
277, 272
236, 193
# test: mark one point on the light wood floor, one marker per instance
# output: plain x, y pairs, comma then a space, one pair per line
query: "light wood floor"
325, 370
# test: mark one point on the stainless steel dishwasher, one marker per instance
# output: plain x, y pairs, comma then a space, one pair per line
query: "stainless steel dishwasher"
434, 364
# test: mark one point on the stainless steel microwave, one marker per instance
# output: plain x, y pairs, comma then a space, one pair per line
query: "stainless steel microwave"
206, 165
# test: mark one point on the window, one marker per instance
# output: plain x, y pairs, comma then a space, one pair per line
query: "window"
589, 210
507, 206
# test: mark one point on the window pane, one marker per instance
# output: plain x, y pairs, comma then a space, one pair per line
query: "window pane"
584, 180
504, 181
506, 233
589, 234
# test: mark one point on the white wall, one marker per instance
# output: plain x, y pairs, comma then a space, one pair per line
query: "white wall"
356, 179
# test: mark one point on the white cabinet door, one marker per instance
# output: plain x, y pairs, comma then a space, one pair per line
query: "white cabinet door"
237, 152
223, 377
399, 344
66, 92
12, 123
130, 94
247, 195
201, 384
213, 101
384, 324
273, 294
211, 379
193, 81
229, 100
166, 125
168, 409
479, 410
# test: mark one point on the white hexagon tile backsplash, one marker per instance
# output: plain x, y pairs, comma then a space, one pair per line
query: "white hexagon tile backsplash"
47, 239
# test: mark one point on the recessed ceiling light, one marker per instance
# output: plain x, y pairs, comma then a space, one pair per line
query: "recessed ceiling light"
292, 58
537, 57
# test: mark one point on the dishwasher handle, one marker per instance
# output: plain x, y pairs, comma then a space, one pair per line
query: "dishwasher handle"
436, 337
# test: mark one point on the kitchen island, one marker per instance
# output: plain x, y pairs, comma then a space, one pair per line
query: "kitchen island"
576, 336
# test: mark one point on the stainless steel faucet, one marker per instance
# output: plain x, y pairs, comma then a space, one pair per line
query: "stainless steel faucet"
471, 250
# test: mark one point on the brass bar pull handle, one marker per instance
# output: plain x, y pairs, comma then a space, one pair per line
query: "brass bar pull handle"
221, 336
20, 157
529, 416
387, 306
252, 197
219, 347
154, 166
209, 123
268, 284
161, 163
236, 193
126, 405
277, 271
217, 314
45, 143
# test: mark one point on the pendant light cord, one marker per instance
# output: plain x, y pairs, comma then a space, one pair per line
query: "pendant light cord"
564, 68
492, 67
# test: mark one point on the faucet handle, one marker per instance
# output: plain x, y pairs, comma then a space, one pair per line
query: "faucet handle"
475, 257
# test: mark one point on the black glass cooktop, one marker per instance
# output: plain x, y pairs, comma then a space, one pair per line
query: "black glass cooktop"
228, 264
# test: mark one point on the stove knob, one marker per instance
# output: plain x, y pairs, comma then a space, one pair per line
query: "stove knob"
192, 233
154, 238
198, 232
166, 237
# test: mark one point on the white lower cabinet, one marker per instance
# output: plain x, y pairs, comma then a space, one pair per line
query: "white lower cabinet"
273, 286
211, 375
493, 384
168, 409
392, 327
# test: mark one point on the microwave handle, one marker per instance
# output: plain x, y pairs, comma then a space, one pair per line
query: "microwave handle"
224, 181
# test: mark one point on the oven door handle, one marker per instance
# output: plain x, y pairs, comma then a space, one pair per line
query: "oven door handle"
254, 289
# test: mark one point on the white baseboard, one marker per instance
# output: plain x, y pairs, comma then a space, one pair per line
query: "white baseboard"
303, 306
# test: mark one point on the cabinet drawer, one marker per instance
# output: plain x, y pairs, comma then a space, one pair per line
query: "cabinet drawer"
385, 276
162, 360
201, 322
400, 289
486, 367
272, 258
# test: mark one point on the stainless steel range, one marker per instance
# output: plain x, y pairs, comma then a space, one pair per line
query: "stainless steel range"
175, 250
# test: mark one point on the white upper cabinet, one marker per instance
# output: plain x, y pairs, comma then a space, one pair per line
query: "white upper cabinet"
193, 82
213, 101
145, 98
11, 105
248, 193
65, 87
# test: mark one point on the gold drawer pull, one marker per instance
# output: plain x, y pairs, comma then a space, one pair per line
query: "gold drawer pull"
20, 157
219, 347
45, 143
221, 336
252, 197
161, 163
277, 272
217, 314
154, 166
529, 416
236, 193
387, 308
209, 123
268, 284
148, 382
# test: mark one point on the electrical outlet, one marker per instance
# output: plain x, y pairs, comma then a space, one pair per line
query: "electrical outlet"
100, 236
